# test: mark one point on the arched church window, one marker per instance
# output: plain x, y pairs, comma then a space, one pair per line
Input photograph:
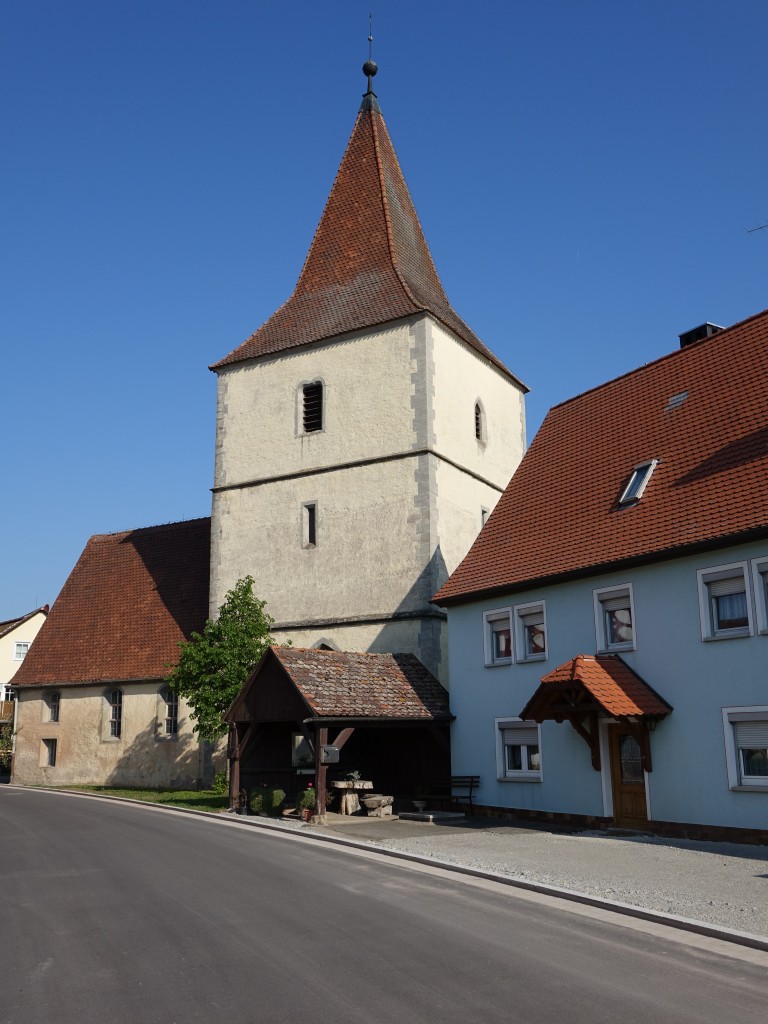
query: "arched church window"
171, 701
115, 701
312, 407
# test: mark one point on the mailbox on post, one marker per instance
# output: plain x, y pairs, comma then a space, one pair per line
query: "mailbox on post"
329, 754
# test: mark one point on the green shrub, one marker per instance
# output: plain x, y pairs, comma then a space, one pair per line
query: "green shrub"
220, 782
305, 799
266, 800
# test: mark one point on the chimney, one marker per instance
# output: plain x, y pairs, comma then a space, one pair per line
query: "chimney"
697, 333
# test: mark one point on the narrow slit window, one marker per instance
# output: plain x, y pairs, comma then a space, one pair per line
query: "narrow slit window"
479, 422
312, 411
48, 756
310, 525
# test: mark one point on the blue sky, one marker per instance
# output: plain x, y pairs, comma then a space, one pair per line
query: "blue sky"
585, 175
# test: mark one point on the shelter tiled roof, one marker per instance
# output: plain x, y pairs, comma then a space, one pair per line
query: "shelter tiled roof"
126, 605
701, 411
610, 681
338, 684
369, 262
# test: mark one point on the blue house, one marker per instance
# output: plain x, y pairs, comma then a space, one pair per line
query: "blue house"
608, 630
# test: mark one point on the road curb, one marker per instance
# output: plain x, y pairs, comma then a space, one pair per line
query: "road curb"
556, 892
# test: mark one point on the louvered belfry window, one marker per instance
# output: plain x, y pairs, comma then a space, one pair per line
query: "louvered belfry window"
313, 407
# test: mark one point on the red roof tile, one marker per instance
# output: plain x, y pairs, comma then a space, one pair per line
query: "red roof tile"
341, 684
609, 680
369, 262
124, 608
560, 514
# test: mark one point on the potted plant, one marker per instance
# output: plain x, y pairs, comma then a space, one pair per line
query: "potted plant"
305, 802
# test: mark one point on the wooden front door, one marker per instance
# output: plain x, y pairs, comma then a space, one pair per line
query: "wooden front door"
628, 779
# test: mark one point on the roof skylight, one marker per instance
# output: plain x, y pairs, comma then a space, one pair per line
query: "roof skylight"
638, 481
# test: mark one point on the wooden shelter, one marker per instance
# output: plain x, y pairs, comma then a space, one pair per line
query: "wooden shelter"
303, 712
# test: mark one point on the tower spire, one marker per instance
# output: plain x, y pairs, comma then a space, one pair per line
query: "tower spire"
370, 102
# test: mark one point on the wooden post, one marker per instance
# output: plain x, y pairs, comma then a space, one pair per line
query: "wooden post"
234, 765
321, 770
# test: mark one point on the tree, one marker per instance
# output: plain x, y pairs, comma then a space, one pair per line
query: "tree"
215, 664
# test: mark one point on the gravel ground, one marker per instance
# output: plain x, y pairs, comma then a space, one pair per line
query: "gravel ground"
721, 883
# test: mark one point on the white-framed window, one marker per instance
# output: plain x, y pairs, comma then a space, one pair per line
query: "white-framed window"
638, 481
48, 753
53, 705
724, 604
20, 649
760, 582
615, 618
518, 750
301, 755
531, 631
497, 628
312, 407
746, 747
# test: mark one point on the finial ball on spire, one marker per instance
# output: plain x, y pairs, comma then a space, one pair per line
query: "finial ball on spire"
370, 68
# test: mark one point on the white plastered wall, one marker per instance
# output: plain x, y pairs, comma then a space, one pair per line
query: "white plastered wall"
85, 754
25, 632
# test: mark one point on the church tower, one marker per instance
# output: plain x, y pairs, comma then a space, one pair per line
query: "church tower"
363, 432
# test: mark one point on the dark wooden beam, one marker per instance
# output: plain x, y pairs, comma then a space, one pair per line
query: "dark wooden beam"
321, 770
342, 738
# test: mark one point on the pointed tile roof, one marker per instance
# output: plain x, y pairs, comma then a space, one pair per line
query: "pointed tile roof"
124, 608
348, 684
700, 411
369, 262
608, 680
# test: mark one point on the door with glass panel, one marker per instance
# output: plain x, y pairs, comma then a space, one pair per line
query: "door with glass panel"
627, 778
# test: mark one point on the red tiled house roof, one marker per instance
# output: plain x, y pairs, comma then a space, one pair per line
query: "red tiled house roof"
9, 625
615, 688
560, 515
342, 684
369, 262
126, 605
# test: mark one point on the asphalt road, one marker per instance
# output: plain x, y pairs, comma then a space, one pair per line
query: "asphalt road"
119, 913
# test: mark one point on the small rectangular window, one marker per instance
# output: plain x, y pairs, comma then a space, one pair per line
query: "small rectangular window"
20, 651
48, 754
724, 602
312, 411
746, 746
498, 637
615, 619
518, 750
309, 525
54, 706
530, 632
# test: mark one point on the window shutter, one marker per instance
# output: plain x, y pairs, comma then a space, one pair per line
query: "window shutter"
724, 588
524, 735
616, 603
751, 735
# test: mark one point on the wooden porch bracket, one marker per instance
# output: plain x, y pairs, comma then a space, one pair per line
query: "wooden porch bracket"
591, 736
342, 737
